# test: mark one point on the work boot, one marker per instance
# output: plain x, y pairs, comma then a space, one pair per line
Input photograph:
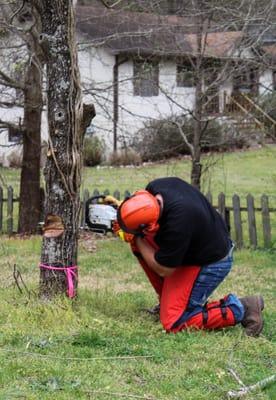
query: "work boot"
252, 320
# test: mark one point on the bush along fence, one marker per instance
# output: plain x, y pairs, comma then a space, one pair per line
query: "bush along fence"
250, 225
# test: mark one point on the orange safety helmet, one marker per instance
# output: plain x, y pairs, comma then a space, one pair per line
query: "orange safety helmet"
139, 212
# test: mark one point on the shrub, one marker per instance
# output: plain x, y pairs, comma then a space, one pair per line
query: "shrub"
224, 136
268, 104
125, 157
15, 159
93, 151
162, 138
159, 139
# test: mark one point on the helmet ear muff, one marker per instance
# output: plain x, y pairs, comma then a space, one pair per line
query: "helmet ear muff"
151, 229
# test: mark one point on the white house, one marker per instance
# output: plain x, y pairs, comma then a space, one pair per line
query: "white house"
137, 67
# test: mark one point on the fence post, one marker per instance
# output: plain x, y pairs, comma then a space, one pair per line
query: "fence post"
251, 221
237, 220
116, 194
227, 219
1, 209
127, 194
266, 220
221, 205
10, 211
224, 212
85, 197
209, 197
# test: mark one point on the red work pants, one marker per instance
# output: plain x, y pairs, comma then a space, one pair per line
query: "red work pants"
174, 294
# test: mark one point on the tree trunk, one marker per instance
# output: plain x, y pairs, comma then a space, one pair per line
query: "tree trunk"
196, 165
29, 205
196, 157
63, 166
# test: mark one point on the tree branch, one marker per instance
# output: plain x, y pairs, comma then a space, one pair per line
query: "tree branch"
17, 11
9, 104
6, 124
184, 137
113, 5
88, 114
244, 390
8, 81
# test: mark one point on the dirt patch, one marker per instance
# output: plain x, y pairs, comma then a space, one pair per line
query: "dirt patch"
88, 240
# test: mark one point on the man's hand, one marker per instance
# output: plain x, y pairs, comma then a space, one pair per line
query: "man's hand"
112, 201
126, 237
148, 252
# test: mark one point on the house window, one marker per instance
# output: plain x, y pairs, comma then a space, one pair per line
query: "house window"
185, 75
15, 135
246, 81
146, 78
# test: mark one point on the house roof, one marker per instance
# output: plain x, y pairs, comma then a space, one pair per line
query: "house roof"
216, 44
132, 32
125, 32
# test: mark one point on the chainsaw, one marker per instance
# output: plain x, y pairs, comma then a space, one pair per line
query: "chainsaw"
99, 216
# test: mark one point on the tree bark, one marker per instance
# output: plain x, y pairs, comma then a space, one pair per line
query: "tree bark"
29, 204
197, 121
64, 161
196, 157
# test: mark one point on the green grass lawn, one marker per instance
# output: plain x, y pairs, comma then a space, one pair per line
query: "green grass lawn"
242, 172
103, 345
239, 172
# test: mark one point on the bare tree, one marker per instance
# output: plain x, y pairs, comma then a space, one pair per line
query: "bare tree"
23, 28
64, 158
30, 211
208, 17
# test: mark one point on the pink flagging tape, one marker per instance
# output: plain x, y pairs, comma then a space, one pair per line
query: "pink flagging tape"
70, 274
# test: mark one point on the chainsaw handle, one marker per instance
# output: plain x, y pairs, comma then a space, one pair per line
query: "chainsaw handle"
98, 196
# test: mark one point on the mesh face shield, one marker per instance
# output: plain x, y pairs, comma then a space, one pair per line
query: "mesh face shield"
139, 212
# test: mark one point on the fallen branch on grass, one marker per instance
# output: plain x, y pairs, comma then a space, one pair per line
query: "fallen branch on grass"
244, 390
236, 376
19, 281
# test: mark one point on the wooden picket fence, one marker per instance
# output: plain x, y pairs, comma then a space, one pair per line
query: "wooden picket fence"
249, 225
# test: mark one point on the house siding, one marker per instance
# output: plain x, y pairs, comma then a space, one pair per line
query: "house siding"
97, 66
6, 147
266, 82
